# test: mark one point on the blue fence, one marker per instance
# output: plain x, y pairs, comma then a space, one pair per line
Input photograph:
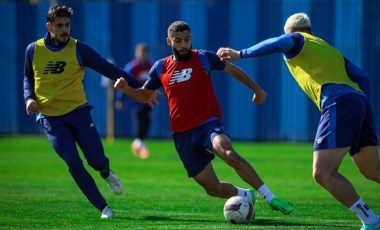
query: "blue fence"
113, 28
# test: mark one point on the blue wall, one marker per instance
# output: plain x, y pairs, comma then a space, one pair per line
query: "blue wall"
113, 28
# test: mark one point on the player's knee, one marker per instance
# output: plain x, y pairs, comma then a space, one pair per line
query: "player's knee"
319, 176
232, 157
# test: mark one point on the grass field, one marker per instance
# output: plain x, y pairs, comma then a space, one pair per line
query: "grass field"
37, 192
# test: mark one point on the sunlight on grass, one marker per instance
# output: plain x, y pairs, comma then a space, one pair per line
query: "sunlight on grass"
37, 192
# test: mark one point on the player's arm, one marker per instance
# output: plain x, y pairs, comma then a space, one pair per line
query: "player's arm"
142, 95
148, 93
259, 95
92, 59
359, 76
281, 44
29, 94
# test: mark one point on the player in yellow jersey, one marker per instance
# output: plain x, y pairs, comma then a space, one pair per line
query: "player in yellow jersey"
53, 90
340, 90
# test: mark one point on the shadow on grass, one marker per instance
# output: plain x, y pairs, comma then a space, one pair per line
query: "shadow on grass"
270, 222
257, 222
163, 218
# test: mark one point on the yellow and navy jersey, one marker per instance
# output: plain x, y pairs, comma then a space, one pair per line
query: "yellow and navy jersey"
53, 74
320, 70
57, 79
317, 64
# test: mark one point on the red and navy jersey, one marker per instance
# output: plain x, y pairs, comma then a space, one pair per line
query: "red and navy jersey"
188, 88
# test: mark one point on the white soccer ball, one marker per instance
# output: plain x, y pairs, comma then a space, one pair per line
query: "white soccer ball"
238, 210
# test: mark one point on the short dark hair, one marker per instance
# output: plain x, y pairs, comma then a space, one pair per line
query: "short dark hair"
178, 26
59, 11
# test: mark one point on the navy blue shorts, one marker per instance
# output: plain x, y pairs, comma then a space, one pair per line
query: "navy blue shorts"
346, 121
194, 146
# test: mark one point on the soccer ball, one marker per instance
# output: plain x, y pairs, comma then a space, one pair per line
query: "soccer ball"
238, 210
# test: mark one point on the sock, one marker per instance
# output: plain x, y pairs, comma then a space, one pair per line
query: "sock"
266, 193
244, 193
365, 214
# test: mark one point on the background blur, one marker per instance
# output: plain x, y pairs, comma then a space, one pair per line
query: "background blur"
113, 28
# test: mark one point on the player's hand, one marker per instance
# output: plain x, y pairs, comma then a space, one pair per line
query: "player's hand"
259, 96
153, 99
120, 84
31, 107
228, 54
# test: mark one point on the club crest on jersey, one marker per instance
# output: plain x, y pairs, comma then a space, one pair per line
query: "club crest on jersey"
54, 67
180, 76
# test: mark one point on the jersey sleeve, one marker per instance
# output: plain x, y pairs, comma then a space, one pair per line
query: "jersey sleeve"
28, 84
281, 44
210, 61
153, 82
359, 76
95, 61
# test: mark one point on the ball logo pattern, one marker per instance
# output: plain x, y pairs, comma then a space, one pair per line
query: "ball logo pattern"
238, 210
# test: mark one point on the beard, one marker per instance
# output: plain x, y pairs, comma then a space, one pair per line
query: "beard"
61, 39
181, 57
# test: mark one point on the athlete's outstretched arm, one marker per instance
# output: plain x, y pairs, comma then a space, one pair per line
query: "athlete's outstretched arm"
259, 95
141, 95
92, 59
281, 44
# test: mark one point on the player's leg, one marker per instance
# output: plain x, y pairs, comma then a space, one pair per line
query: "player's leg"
325, 172
194, 150
63, 142
338, 129
368, 163
211, 184
366, 153
213, 138
143, 118
222, 147
88, 139
366, 157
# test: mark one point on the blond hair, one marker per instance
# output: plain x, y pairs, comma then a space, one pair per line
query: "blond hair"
298, 22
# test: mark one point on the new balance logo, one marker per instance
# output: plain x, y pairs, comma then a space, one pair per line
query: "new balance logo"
55, 68
180, 76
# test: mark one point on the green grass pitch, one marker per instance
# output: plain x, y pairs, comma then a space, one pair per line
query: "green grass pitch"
37, 192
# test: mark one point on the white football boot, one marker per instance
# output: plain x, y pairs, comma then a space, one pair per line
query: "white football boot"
114, 183
107, 213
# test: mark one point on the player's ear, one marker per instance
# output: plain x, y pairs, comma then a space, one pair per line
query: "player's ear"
168, 41
48, 26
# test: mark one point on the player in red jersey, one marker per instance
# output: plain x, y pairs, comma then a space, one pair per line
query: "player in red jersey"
196, 119
139, 67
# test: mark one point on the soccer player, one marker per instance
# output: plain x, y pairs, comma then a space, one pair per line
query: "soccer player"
53, 90
340, 89
139, 67
195, 115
